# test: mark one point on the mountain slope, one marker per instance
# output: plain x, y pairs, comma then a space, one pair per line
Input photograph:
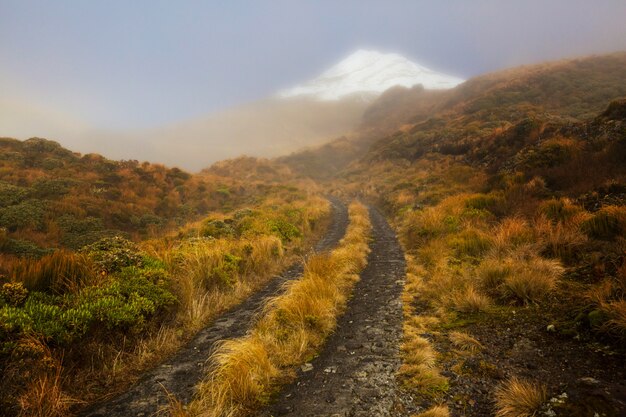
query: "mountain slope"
404, 123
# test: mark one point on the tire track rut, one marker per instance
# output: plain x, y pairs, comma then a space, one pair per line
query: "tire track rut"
181, 373
355, 373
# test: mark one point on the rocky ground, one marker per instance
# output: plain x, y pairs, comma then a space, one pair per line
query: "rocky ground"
584, 378
179, 375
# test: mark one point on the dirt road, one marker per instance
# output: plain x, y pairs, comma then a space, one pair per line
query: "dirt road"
355, 373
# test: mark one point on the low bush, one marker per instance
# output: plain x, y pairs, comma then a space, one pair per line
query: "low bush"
112, 254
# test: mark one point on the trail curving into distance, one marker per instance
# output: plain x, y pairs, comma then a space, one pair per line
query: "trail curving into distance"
354, 375
180, 374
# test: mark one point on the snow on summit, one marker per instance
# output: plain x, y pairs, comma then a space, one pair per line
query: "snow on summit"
370, 72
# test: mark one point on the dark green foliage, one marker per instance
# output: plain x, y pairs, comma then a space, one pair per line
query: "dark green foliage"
79, 232
24, 248
112, 254
27, 214
558, 210
125, 303
491, 202
217, 228
53, 188
13, 293
284, 230
11, 194
606, 224
226, 273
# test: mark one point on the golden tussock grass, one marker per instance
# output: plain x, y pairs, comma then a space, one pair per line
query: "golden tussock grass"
464, 341
562, 238
511, 233
469, 300
607, 223
608, 298
61, 271
291, 328
418, 371
522, 275
435, 411
519, 398
242, 265
532, 279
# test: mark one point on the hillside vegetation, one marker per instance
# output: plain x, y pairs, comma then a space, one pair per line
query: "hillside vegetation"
510, 201
51, 197
84, 308
404, 123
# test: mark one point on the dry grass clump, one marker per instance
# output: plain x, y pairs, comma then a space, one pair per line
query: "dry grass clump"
522, 276
464, 341
418, 370
44, 396
492, 272
607, 223
435, 411
607, 298
519, 398
59, 272
561, 239
241, 377
512, 232
469, 300
532, 279
470, 242
559, 210
292, 327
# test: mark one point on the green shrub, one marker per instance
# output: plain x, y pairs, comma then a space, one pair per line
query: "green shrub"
217, 228
13, 293
26, 214
53, 188
24, 249
225, 274
11, 194
284, 230
124, 304
112, 254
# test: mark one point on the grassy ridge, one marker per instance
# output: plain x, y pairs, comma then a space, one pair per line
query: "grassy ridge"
291, 330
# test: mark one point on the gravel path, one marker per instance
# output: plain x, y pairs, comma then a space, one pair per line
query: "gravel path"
355, 373
180, 373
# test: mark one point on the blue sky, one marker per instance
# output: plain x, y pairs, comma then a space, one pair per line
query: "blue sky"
126, 64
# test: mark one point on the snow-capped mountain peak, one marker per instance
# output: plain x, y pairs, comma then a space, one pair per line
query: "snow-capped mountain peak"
370, 72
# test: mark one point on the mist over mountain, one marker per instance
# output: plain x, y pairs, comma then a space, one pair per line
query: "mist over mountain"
308, 114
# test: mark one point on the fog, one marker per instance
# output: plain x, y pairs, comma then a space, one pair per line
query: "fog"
71, 70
